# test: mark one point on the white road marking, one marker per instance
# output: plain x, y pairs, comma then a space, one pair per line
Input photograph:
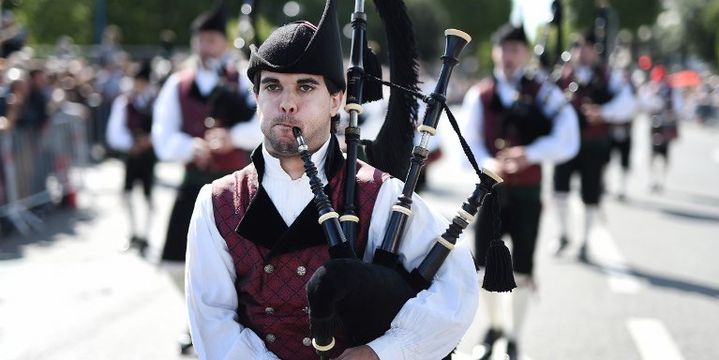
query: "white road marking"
653, 340
605, 253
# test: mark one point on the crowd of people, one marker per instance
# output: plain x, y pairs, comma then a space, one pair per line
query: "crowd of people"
238, 240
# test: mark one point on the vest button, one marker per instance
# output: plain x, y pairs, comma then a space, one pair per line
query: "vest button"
270, 338
306, 310
301, 270
306, 341
269, 268
269, 310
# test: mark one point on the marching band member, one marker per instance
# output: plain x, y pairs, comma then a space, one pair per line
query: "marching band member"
128, 131
514, 121
663, 104
254, 239
600, 97
203, 119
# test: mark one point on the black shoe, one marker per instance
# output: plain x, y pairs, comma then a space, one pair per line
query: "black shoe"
583, 257
185, 344
490, 338
512, 353
563, 244
140, 244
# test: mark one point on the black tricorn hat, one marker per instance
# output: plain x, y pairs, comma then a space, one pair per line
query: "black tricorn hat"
509, 32
300, 47
143, 70
212, 20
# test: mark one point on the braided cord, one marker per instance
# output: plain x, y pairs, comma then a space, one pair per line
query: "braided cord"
465, 146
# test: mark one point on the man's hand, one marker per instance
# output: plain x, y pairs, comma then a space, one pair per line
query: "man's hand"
219, 140
495, 166
142, 143
200, 153
593, 113
513, 159
363, 352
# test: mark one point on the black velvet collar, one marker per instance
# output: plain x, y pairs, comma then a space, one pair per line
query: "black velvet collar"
263, 225
196, 94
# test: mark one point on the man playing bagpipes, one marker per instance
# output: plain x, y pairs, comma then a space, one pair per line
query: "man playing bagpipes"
254, 239
514, 121
204, 119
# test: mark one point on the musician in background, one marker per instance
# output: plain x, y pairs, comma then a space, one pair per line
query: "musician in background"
513, 122
621, 142
600, 97
203, 119
128, 132
663, 104
255, 241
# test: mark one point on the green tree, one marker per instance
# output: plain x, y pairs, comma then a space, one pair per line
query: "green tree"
632, 13
142, 20
47, 20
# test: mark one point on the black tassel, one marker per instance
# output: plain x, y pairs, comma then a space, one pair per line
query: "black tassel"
498, 273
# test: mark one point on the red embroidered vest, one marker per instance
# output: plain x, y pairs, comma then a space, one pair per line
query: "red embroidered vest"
596, 92
530, 176
194, 112
137, 122
272, 296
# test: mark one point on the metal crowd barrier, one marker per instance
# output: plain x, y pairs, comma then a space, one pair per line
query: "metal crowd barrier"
39, 167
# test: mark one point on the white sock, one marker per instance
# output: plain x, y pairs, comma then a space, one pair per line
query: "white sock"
623, 182
590, 214
520, 304
148, 220
493, 304
561, 200
129, 205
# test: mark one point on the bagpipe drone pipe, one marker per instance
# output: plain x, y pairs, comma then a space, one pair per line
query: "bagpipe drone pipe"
343, 291
342, 294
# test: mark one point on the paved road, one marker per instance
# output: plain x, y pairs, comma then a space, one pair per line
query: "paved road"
651, 291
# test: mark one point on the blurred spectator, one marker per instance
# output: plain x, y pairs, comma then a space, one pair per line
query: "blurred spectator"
704, 107
12, 35
110, 46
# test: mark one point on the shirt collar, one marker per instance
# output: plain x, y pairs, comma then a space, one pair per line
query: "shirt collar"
514, 81
273, 169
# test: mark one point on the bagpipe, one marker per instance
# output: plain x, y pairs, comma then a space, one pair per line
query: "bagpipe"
342, 293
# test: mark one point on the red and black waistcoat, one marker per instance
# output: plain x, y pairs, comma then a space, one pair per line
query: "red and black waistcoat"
222, 107
139, 119
518, 124
273, 262
596, 91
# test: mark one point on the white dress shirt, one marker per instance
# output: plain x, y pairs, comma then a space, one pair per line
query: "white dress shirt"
561, 144
171, 144
118, 134
651, 102
622, 107
427, 327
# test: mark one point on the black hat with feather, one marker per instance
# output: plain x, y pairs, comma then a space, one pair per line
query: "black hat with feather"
301, 47
212, 20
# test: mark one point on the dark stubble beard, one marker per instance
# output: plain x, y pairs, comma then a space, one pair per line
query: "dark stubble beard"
282, 147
